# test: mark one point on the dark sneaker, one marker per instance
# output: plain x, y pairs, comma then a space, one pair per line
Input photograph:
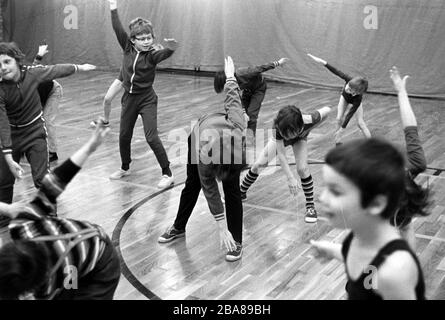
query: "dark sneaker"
53, 156
171, 234
236, 254
311, 215
243, 196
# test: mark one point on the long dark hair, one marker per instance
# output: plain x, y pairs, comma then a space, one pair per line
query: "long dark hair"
377, 168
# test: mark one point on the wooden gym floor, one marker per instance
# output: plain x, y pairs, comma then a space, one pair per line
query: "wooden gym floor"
278, 262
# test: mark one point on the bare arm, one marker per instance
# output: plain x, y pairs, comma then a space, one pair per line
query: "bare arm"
329, 249
406, 112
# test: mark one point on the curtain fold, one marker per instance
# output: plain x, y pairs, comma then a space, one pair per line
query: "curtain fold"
409, 34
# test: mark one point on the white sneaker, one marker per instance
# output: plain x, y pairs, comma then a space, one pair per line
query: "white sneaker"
166, 181
119, 174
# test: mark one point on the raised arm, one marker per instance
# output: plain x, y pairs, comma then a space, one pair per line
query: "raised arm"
122, 36
406, 112
165, 51
51, 72
331, 68
55, 183
252, 71
43, 50
232, 100
415, 153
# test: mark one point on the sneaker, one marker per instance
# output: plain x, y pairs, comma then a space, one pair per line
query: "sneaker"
166, 181
119, 174
171, 234
311, 215
243, 196
236, 254
93, 124
53, 156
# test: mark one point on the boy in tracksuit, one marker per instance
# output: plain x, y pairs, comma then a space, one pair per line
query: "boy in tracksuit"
138, 73
22, 128
216, 151
253, 86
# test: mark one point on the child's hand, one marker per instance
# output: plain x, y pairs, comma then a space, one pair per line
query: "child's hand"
398, 82
99, 134
15, 168
324, 248
43, 49
317, 59
86, 67
113, 4
229, 67
246, 119
171, 44
293, 186
283, 61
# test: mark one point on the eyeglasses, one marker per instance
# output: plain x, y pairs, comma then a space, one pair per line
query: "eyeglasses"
147, 38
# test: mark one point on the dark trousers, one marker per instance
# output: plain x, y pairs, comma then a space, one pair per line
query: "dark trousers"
30, 141
101, 282
190, 193
145, 104
252, 103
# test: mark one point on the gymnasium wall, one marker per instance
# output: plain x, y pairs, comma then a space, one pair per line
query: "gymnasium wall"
362, 37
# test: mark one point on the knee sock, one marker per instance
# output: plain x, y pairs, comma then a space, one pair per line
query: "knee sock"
308, 189
249, 179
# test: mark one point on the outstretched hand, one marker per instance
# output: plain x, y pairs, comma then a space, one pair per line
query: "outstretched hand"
317, 59
283, 61
171, 43
229, 67
43, 49
14, 167
99, 134
113, 4
86, 67
398, 82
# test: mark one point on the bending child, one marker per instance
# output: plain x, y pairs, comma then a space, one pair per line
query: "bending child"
253, 86
352, 93
216, 151
291, 128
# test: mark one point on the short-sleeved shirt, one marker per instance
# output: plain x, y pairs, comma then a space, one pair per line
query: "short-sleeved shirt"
310, 120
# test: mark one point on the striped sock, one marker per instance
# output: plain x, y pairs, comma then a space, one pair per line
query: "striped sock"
249, 179
308, 189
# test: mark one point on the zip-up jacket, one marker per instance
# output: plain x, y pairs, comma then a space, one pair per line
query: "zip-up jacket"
138, 67
20, 102
206, 138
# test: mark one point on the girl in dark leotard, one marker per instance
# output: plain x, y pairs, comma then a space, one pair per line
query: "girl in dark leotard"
365, 185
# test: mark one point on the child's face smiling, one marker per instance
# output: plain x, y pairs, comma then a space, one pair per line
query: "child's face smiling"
143, 42
340, 199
